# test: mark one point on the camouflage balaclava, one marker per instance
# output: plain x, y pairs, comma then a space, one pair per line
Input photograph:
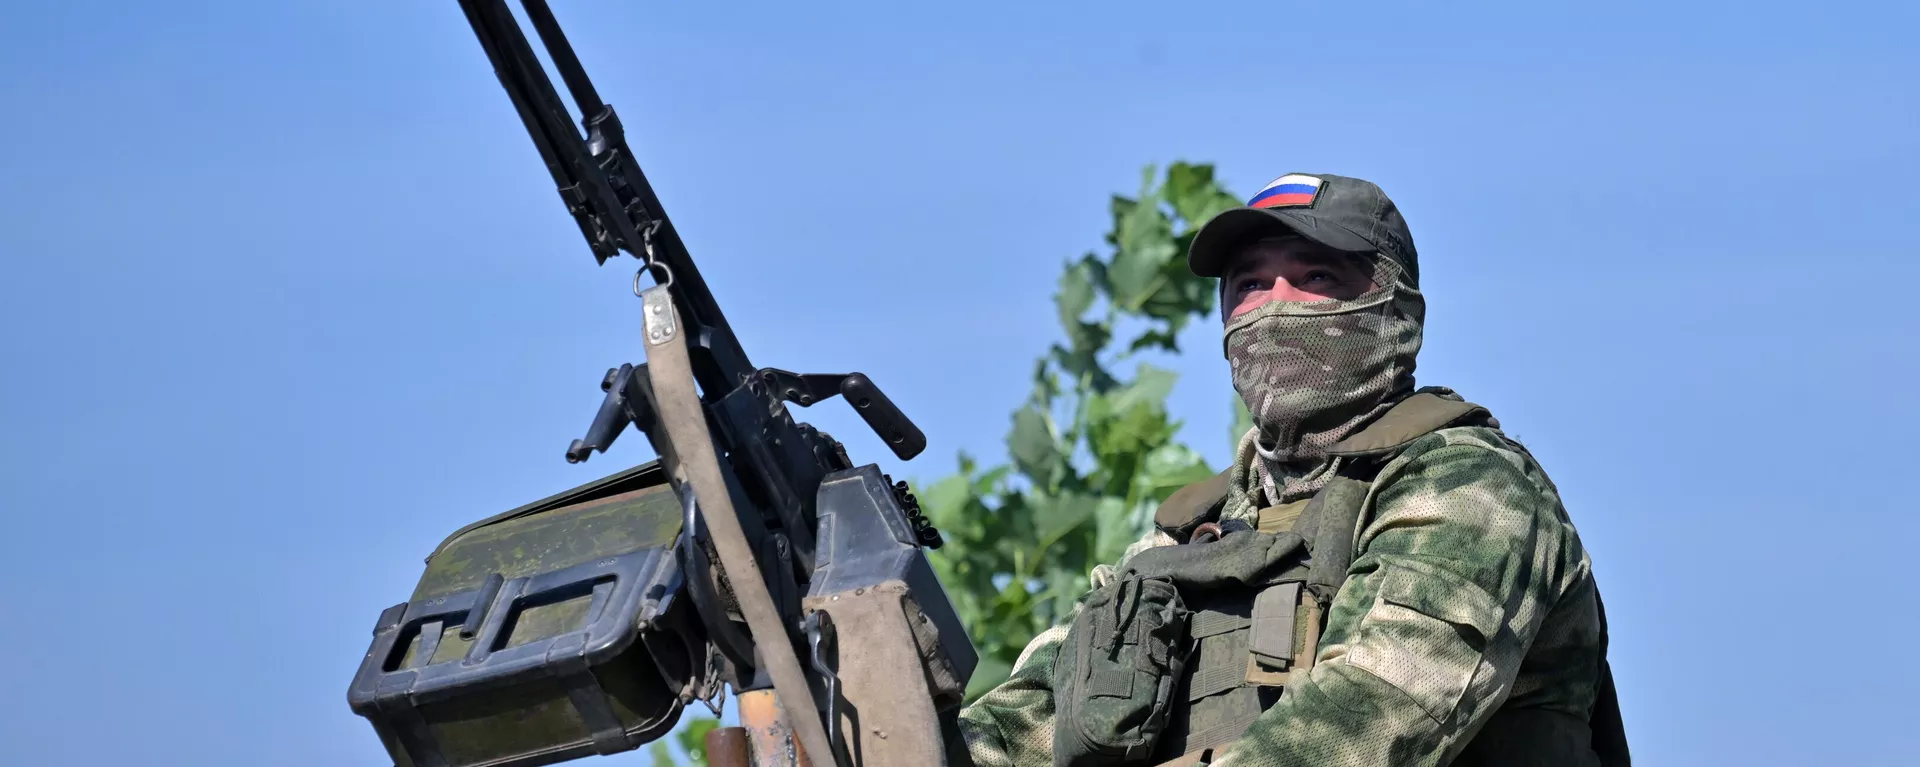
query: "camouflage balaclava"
1312, 374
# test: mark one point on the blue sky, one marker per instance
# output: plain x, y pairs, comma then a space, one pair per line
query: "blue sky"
287, 297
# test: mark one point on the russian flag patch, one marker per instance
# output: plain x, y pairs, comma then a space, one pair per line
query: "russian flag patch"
1287, 191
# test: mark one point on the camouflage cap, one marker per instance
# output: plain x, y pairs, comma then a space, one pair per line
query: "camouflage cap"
1342, 213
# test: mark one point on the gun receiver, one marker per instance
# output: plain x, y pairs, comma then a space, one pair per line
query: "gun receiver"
775, 535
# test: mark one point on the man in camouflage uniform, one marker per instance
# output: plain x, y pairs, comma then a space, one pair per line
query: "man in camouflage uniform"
1467, 627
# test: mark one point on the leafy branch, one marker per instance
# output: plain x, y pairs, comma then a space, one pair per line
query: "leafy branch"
1091, 452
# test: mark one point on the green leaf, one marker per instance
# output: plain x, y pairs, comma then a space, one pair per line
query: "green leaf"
1146, 247
1097, 273
1155, 339
1088, 339
1085, 364
946, 502
1075, 293
1117, 530
693, 739
1180, 296
1170, 467
1194, 194
1055, 516
1150, 387
1121, 440
1046, 385
1064, 587
1196, 197
990, 480
1035, 447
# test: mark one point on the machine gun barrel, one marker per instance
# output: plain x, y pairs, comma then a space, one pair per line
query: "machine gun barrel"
801, 534
599, 179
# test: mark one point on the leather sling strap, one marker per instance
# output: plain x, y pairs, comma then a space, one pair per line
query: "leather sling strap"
685, 419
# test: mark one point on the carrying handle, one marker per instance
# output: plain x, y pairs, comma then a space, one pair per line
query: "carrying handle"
902, 437
892, 426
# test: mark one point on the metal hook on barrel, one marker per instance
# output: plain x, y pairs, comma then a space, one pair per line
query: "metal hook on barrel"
650, 260
664, 269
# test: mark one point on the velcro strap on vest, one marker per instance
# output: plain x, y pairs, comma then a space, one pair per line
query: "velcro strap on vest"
1272, 640
1210, 622
1280, 519
1215, 675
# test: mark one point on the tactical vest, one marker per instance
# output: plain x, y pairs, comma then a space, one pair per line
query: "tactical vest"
1245, 639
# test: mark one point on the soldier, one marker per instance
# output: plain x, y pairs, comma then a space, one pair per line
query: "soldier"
1382, 577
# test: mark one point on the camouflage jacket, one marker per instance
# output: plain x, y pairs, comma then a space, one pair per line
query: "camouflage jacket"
1461, 529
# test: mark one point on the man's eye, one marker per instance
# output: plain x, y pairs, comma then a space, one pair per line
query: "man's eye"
1322, 275
1247, 285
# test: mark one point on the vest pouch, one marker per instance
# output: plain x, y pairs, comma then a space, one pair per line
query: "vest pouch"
1118, 673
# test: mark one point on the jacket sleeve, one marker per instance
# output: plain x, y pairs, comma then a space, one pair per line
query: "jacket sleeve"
1463, 552
1012, 724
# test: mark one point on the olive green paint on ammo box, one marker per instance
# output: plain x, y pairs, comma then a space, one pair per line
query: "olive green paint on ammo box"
553, 540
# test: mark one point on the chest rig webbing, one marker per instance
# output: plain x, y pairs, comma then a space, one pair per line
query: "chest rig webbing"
1246, 643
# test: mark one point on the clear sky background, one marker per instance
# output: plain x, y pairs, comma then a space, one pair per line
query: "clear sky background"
287, 296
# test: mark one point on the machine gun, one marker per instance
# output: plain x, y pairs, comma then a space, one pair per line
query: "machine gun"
585, 622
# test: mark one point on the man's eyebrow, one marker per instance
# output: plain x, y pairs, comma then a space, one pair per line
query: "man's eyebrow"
1319, 256
1330, 258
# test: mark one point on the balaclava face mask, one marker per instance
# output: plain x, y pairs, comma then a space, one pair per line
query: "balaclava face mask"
1312, 374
